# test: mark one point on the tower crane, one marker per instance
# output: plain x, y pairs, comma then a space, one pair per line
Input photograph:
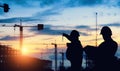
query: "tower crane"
96, 27
40, 27
5, 7
56, 53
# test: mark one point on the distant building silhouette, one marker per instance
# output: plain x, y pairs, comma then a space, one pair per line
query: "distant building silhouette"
11, 60
7, 56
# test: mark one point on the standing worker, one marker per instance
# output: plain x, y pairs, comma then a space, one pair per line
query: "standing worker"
74, 51
104, 54
106, 51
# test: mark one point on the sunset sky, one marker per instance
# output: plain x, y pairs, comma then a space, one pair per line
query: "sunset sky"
58, 16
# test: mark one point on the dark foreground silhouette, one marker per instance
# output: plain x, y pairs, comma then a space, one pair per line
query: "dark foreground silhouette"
104, 55
74, 51
12, 60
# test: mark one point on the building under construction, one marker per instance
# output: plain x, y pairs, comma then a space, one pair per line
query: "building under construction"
12, 60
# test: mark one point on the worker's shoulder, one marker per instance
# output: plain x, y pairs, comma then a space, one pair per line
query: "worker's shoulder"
114, 43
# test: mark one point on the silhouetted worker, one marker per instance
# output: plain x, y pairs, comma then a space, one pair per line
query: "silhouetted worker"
74, 51
106, 51
104, 55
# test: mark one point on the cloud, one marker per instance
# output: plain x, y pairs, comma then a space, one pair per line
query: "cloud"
31, 3
49, 31
8, 37
55, 30
112, 24
67, 3
56, 6
73, 3
48, 2
39, 16
48, 12
1, 11
82, 26
86, 27
20, 2
17, 19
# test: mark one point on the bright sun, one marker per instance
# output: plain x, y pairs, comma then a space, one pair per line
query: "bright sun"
25, 51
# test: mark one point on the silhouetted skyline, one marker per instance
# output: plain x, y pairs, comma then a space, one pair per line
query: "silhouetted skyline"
58, 16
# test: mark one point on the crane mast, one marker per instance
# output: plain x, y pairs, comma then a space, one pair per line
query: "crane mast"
40, 27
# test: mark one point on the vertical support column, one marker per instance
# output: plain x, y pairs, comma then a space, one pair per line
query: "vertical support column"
62, 59
55, 57
96, 29
21, 37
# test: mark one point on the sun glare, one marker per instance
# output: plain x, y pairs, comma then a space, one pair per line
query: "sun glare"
25, 51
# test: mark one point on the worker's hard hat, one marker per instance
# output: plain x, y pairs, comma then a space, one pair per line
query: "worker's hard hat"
74, 33
106, 31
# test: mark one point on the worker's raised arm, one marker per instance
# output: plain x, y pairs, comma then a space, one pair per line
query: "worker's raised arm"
67, 36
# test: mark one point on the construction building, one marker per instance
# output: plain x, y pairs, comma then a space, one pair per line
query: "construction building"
12, 60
